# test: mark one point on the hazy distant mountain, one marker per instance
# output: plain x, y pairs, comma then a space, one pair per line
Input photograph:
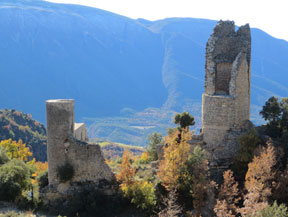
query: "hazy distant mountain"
109, 63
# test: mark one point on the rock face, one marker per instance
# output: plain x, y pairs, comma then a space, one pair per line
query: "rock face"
226, 100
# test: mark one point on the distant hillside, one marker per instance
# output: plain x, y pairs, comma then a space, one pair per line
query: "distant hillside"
115, 150
16, 125
111, 64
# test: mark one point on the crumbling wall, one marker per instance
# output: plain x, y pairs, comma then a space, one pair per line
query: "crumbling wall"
226, 100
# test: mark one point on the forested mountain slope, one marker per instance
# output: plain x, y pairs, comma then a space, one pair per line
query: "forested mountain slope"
112, 64
16, 125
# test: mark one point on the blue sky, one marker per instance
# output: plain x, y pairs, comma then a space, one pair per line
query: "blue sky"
268, 15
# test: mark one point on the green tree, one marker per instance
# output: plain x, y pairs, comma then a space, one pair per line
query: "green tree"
274, 211
3, 156
154, 140
276, 113
14, 178
271, 111
16, 150
193, 178
248, 143
184, 120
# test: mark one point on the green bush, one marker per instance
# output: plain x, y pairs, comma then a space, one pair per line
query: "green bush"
274, 211
65, 172
142, 194
14, 178
3, 156
42, 179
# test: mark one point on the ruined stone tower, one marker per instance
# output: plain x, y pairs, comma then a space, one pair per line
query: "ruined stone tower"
226, 100
65, 145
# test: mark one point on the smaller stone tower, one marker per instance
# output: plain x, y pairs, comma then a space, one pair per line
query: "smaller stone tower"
226, 100
60, 126
65, 145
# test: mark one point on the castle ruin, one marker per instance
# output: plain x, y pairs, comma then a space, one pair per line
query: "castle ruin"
226, 100
225, 114
67, 143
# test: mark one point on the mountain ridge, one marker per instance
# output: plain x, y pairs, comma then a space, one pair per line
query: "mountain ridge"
111, 63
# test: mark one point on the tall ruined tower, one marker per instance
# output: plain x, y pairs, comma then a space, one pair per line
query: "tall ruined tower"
226, 100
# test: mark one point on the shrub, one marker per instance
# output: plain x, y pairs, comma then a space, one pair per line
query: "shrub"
274, 211
42, 179
143, 159
14, 178
65, 172
127, 172
154, 140
142, 194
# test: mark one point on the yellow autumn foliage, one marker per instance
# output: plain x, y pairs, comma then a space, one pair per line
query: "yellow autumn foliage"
176, 153
16, 150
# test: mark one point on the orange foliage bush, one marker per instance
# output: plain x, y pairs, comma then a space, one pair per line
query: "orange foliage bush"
127, 172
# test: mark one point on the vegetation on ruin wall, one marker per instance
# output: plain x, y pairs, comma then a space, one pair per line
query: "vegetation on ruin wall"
16, 125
